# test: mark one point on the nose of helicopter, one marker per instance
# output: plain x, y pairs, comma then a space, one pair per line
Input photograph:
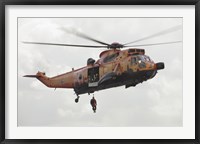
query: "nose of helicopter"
160, 65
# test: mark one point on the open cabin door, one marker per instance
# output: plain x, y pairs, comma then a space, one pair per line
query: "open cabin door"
93, 76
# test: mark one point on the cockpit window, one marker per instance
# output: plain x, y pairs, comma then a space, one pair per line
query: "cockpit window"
144, 58
110, 57
134, 60
149, 59
140, 59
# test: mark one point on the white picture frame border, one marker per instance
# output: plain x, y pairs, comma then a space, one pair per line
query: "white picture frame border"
12, 131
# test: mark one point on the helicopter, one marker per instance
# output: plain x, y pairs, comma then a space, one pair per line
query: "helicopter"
115, 67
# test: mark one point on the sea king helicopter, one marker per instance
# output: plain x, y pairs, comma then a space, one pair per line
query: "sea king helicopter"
115, 67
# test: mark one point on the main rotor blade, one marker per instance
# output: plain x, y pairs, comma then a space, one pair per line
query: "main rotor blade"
153, 44
88, 46
79, 34
172, 29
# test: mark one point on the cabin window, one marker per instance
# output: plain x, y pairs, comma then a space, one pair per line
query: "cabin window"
110, 57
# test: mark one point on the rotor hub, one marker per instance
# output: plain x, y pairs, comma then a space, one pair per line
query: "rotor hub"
115, 45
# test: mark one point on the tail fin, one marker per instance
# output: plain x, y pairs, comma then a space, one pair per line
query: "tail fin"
39, 74
41, 77
54, 82
31, 76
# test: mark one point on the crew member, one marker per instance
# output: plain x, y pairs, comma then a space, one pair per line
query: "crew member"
93, 103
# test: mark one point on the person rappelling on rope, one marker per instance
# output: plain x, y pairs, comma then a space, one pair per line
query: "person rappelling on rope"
93, 103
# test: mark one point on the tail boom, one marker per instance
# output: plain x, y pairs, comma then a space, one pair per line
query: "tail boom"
55, 82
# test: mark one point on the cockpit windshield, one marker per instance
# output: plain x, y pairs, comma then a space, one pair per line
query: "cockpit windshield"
144, 58
139, 59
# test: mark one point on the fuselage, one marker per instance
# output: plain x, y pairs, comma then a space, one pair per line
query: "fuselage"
114, 68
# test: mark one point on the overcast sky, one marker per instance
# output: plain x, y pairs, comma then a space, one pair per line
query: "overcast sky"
156, 102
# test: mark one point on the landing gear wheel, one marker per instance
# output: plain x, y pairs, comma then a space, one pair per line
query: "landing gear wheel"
76, 100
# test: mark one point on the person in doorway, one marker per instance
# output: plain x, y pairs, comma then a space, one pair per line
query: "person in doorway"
93, 103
